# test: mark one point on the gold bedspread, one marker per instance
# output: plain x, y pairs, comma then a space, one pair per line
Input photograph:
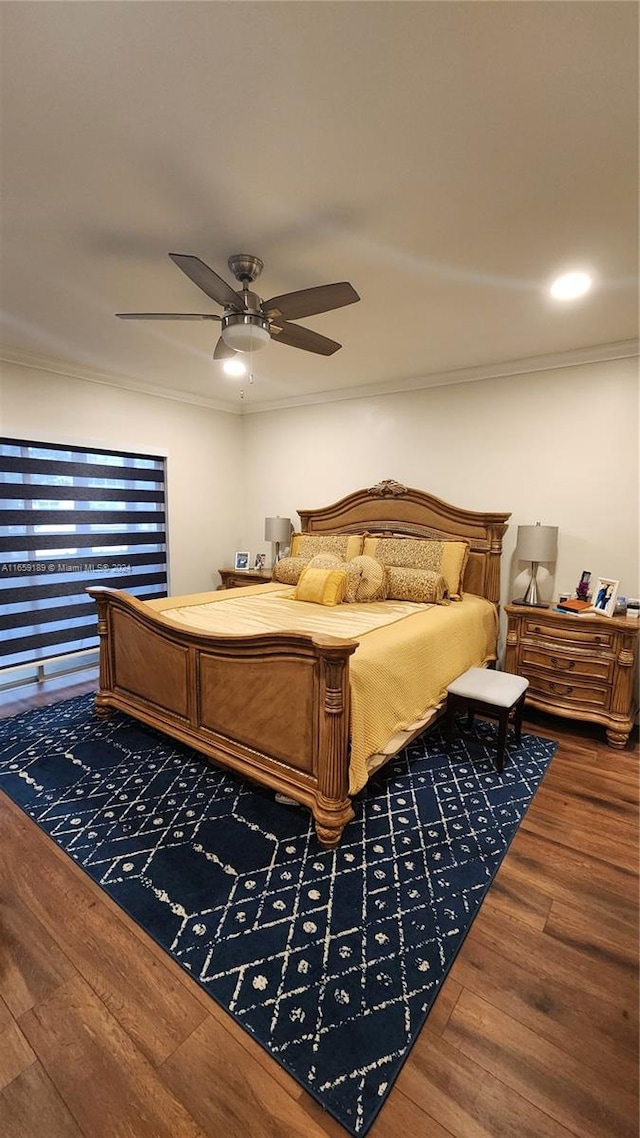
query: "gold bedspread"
406, 656
269, 608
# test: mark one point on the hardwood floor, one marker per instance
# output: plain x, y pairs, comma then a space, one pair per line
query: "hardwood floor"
534, 1035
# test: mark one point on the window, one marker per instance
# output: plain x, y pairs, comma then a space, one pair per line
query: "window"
70, 518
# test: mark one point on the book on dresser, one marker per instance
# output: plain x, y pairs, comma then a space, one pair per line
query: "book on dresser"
575, 606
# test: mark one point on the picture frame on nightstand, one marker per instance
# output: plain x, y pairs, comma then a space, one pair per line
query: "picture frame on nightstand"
241, 560
605, 595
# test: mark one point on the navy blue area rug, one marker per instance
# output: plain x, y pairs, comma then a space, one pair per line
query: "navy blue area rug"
331, 959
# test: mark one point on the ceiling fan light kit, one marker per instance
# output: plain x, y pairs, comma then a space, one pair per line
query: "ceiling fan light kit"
245, 333
248, 322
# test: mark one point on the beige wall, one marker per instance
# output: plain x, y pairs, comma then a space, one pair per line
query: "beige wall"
205, 494
559, 447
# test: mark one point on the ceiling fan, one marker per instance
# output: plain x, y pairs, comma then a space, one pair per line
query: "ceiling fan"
249, 323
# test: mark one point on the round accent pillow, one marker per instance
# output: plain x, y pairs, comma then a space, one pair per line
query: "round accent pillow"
353, 571
373, 579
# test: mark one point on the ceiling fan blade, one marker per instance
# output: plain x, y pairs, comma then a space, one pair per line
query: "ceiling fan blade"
297, 337
222, 351
167, 316
207, 280
310, 301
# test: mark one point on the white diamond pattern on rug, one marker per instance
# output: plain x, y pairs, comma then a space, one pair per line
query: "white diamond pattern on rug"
330, 958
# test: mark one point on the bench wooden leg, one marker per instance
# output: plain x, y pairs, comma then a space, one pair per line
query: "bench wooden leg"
518, 717
503, 720
451, 712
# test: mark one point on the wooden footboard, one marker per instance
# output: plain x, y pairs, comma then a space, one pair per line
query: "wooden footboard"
273, 707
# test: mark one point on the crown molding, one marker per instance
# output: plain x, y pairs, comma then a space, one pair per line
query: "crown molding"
597, 353
107, 379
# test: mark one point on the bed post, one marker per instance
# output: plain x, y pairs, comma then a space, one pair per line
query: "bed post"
332, 807
102, 706
497, 530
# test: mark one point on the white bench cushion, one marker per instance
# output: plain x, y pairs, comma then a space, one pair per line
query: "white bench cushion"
501, 689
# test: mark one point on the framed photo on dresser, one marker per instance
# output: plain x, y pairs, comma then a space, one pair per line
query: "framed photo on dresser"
605, 595
241, 560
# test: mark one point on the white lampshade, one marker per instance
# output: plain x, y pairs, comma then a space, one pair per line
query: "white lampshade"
277, 530
537, 543
245, 333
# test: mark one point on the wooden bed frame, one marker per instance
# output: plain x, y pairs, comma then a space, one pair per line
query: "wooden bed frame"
274, 707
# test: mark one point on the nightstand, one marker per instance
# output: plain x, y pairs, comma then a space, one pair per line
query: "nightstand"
579, 667
236, 578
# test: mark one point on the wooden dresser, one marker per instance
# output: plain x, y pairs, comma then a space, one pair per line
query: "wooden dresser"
580, 667
236, 578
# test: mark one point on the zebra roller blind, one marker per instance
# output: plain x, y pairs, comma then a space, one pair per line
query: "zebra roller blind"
70, 518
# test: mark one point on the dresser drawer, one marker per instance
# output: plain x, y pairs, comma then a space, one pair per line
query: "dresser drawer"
571, 694
556, 633
564, 665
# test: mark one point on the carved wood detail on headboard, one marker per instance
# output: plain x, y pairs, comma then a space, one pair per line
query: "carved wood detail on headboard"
391, 508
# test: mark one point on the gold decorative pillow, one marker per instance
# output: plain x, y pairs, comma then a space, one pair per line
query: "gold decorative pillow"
455, 555
288, 570
421, 585
446, 558
321, 586
373, 579
342, 545
352, 570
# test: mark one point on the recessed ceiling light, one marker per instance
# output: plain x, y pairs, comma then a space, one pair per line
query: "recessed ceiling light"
570, 285
233, 367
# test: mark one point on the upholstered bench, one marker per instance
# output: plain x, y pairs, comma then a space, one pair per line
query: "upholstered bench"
489, 693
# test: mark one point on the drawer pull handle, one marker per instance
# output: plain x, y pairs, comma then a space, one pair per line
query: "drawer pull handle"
561, 689
563, 665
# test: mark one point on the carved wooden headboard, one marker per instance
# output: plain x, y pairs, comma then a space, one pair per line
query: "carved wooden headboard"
390, 508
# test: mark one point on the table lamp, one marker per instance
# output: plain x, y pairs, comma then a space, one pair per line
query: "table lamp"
278, 531
535, 544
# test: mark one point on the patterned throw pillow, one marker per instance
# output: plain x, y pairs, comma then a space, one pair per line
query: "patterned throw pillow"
321, 586
446, 558
342, 545
288, 570
421, 585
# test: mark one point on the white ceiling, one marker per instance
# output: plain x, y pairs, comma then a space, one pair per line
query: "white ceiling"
446, 158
